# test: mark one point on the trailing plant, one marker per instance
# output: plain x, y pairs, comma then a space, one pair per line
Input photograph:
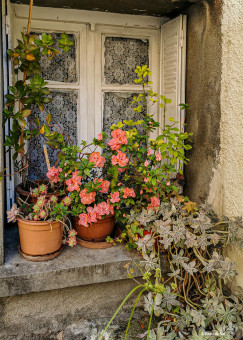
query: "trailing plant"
192, 300
30, 94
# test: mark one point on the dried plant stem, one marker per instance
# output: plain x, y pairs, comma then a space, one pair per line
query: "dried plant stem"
30, 15
47, 161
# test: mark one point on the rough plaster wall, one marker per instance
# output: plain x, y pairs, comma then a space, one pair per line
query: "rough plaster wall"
203, 95
47, 313
229, 173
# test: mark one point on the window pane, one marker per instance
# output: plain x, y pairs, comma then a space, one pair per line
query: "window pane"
63, 109
63, 67
122, 55
117, 107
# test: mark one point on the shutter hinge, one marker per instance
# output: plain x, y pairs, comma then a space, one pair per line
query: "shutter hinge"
181, 40
7, 24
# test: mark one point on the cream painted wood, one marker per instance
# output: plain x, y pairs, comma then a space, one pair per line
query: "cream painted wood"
173, 69
7, 42
89, 17
173, 65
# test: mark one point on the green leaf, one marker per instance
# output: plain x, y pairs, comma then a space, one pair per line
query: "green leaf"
26, 113
87, 172
48, 118
47, 129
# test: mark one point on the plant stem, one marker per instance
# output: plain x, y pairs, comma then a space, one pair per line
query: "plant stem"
118, 309
134, 306
150, 320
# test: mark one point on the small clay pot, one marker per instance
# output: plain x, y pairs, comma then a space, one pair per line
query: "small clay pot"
39, 237
31, 199
96, 232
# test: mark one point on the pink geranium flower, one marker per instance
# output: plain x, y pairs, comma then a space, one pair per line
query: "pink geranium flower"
92, 215
105, 186
158, 157
155, 202
128, 192
120, 159
103, 208
115, 197
87, 198
96, 158
149, 152
146, 163
83, 219
146, 179
100, 136
119, 138
74, 182
53, 174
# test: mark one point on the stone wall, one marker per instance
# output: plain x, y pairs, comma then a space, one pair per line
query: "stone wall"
44, 315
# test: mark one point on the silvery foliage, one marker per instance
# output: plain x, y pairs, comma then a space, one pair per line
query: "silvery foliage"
193, 242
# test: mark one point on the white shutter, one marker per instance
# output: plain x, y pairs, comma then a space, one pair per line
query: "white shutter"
173, 64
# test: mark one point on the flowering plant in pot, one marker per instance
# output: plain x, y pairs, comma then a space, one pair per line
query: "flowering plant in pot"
132, 171
93, 185
43, 225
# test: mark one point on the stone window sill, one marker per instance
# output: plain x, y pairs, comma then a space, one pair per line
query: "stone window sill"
73, 267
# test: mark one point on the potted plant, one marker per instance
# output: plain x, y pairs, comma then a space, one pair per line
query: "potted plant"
93, 186
132, 171
43, 224
26, 101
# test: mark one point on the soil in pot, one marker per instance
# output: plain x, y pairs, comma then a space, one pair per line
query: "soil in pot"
40, 237
96, 232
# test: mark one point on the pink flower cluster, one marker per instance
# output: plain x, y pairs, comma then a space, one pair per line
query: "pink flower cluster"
53, 174
74, 182
155, 202
120, 159
87, 198
119, 138
128, 192
96, 213
104, 185
115, 197
96, 158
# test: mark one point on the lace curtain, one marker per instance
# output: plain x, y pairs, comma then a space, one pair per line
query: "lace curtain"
63, 108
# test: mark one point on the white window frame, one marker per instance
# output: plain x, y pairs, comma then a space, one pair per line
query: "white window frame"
79, 30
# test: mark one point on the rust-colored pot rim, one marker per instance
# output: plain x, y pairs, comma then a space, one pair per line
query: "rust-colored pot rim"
37, 222
99, 221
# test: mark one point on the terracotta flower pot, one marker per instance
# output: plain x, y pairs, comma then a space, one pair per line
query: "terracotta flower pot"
24, 194
40, 237
97, 231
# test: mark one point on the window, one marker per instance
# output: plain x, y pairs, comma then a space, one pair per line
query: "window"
93, 85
